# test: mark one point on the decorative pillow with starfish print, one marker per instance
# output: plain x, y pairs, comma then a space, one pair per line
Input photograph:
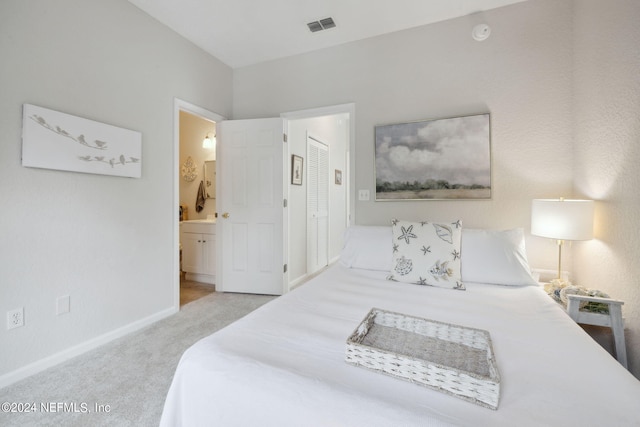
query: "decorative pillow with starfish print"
427, 253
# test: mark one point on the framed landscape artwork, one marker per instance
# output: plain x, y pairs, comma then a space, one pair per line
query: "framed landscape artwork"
434, 159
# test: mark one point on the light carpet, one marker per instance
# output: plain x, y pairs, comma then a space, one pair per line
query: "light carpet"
125, 382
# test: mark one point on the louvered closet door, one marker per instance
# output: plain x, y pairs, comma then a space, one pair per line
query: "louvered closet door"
317, 205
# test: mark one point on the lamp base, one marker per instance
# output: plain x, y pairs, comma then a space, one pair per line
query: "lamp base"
560, 244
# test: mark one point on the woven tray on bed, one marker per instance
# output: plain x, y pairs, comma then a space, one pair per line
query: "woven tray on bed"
453, 359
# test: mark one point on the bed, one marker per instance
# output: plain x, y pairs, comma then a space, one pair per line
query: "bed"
284, 364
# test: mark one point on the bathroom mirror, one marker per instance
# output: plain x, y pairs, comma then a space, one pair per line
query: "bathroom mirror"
210, 179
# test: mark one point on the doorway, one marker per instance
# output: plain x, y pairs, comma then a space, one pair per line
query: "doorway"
334, 127
341, 167
191, 125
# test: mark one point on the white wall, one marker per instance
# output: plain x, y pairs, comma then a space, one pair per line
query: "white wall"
560, 79
332, 130
607, 152
521, 75
193, 129
106, 241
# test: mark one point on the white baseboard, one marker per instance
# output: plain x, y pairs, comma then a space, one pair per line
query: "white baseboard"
202, 278
298, 281
76, 350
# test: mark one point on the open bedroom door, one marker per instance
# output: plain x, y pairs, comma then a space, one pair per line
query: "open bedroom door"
252, 216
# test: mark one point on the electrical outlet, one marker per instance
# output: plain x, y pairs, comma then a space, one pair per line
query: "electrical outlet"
15, 318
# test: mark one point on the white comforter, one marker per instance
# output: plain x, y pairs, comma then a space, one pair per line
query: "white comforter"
283, 365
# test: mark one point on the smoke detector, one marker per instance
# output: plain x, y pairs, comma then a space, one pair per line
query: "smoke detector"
481, 32
321, 24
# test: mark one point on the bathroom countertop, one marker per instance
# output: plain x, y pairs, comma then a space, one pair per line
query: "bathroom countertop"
199, 221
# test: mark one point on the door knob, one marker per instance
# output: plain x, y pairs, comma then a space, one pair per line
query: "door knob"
225, 215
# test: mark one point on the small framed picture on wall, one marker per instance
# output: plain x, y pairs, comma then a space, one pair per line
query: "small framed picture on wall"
296, 170
338, 177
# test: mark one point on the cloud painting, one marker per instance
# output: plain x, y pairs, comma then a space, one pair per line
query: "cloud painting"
436, 159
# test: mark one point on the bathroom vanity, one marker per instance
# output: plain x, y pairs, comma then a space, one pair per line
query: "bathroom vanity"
198, 240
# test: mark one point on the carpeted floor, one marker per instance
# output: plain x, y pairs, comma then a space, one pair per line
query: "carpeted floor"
191, 291
123, 383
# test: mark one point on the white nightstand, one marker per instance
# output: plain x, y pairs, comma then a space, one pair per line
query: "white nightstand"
612, 320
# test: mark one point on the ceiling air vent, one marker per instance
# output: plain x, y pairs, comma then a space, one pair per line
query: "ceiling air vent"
327, 23
323, 24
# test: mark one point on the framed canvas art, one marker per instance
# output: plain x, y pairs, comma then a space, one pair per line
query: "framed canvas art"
55, 140
434, 159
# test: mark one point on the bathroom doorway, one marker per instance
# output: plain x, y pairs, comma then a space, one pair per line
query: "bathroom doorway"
194, 201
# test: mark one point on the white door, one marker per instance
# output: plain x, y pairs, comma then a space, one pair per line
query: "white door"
251, 214
317, 205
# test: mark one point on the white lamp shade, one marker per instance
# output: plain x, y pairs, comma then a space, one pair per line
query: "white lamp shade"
562, 219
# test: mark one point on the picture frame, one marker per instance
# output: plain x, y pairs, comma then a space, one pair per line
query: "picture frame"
296, 169
441, 159
338, 177
60, 141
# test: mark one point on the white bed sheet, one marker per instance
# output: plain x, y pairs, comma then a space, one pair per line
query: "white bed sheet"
283, 364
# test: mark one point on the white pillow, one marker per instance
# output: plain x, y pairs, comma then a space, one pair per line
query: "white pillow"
427, 253
495, 256
367, 247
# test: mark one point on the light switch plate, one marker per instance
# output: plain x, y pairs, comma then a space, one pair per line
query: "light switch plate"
363, 195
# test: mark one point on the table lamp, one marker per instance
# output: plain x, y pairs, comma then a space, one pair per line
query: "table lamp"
562, 220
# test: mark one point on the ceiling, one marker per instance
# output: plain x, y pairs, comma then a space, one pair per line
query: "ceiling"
246, 32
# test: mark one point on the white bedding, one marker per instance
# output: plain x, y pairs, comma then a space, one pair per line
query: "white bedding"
283, 365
